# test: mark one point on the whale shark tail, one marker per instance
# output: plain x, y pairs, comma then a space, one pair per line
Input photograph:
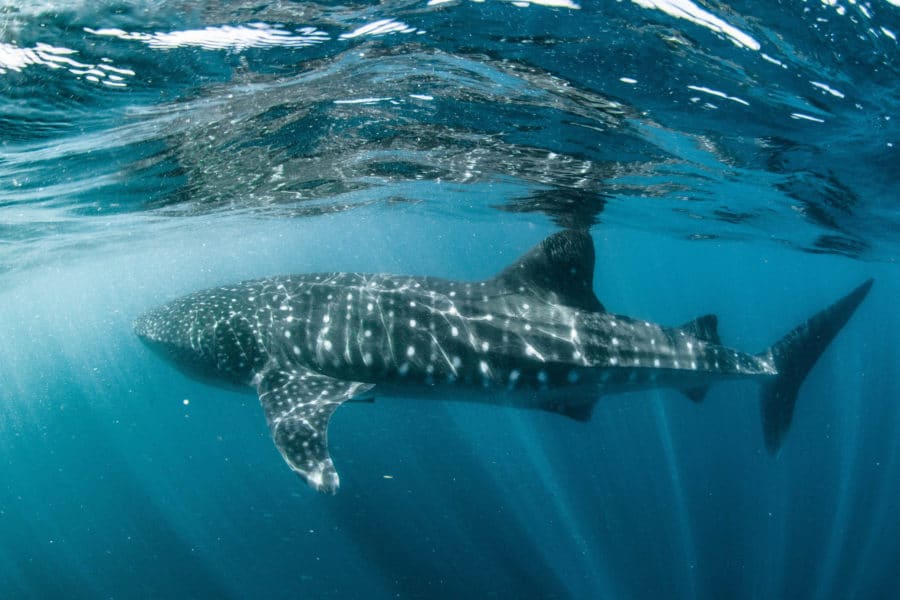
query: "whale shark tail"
794, 356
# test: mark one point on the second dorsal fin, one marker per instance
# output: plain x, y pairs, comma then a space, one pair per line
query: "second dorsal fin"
559, 270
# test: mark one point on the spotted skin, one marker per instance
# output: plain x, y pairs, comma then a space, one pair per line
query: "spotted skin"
533, 337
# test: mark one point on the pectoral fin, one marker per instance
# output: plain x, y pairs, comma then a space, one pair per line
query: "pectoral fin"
696, 394
298, 404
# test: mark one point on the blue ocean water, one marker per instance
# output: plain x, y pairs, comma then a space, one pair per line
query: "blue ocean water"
732, 158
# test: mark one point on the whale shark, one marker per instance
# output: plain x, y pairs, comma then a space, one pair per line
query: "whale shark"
535, 336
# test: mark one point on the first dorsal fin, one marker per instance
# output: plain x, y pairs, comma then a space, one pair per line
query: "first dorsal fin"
559, 270
704, 328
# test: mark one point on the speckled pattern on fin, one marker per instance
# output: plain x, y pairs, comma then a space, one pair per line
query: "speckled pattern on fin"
704, 328
559, 270
298, 404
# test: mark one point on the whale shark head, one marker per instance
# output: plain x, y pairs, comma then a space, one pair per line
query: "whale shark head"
204, 339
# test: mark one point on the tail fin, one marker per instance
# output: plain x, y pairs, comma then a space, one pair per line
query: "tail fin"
794, 356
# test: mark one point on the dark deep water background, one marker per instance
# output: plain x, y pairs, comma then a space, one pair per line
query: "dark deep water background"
737, 158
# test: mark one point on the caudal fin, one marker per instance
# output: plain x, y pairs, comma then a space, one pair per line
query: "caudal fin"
794, 356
